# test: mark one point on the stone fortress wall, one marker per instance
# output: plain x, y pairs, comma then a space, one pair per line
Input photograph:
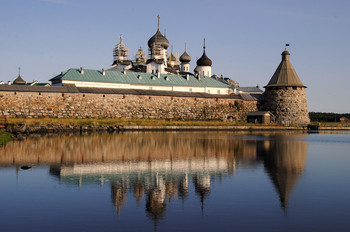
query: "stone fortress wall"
79, 105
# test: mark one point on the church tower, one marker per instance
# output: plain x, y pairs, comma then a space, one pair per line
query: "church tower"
204, 64
284, 95
158, 45
121, 56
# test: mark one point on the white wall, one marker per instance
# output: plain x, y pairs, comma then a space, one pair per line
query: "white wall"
185, 67
195, 89
204, 70
153, 67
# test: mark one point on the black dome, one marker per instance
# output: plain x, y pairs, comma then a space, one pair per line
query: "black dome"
204, 60
185, 58
159, 39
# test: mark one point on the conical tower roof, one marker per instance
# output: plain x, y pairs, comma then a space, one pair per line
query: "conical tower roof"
285, 163
285, 74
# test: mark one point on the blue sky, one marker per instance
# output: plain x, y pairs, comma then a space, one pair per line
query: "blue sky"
244, 39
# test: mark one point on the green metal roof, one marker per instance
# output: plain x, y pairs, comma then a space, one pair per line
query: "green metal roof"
138, 78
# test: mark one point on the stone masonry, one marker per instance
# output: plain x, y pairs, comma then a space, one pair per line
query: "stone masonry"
287, 104
78, 105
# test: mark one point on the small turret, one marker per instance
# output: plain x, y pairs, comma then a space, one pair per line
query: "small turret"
158, 45
185, 60
121, 52
140, 57
121, 56
19, 80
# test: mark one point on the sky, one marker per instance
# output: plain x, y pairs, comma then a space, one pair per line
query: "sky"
244, 39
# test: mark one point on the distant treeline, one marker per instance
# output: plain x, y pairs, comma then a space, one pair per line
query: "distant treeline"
326, 117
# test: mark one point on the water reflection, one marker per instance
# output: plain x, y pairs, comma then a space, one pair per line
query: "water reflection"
284, 161
160, 167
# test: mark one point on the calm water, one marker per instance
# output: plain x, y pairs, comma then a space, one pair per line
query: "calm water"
207, 181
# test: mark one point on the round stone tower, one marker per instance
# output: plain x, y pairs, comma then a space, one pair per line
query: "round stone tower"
284, 95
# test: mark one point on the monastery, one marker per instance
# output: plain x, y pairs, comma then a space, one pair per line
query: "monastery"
159, 85
160, 71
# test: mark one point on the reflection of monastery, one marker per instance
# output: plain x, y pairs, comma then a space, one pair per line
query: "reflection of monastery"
136, 164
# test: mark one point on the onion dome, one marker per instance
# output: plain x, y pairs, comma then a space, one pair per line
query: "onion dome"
19, 80
159, 39
185, 58
204, 60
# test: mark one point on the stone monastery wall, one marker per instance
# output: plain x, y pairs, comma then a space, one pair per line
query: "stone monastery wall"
78, 105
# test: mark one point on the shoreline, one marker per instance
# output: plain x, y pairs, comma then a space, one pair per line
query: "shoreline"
19, 127
21, 131
60, 128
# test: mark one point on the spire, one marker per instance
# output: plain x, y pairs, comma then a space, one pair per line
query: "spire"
158, 22
19, 79
204, 60
185, 47
121, 38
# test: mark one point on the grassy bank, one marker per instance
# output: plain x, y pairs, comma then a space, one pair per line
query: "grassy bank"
4, 138
331, 124
133, 122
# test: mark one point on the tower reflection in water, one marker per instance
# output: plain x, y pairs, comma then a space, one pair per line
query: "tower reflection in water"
160, 167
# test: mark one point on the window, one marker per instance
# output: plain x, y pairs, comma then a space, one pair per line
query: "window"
208, 90
190, 89
218, 91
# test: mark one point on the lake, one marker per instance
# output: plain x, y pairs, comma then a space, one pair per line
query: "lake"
177, 181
